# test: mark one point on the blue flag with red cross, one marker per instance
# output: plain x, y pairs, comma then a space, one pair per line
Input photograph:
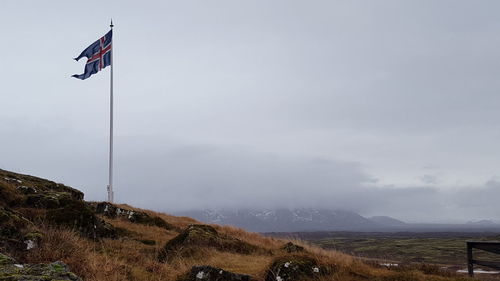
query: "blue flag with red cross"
98, 56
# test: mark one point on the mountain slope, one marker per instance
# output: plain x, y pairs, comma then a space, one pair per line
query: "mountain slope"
386, 221
287, 220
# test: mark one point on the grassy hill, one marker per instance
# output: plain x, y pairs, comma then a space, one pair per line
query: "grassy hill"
42, 222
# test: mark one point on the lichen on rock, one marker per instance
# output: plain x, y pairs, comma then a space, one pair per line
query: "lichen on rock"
112, 211
209, 273
11, 222
12, 271
296, 268
48, 200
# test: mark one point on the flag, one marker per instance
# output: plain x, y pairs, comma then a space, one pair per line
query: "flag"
98, 56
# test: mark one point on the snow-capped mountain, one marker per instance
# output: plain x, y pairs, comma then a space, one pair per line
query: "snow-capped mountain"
286, 220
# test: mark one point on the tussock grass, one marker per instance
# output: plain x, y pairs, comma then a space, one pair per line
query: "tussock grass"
127, 258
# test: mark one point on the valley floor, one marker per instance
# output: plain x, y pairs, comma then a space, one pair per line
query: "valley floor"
445, 249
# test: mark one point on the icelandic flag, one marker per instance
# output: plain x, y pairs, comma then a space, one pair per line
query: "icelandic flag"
98, 56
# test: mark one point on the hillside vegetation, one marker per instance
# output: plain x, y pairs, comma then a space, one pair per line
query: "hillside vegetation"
42, 222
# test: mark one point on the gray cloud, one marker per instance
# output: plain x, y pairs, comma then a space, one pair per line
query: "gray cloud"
331, 103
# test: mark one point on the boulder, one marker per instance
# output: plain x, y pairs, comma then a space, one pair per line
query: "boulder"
292, 248
32, 240
48, 200
112, 211
209, 273
30, 185
27, 189
12, 271
79, 217
295, 268
13, 228
188, 242
12, 223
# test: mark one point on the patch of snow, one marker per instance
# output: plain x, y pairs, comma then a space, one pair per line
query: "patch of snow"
19, 265
221, 271
278, 278
478, 271
266, 215
301, 215
287, 264
315, 269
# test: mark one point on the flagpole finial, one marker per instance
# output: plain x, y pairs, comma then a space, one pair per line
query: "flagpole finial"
111, 25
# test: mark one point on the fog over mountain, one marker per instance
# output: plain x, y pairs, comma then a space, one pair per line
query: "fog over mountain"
324, 220
383, 108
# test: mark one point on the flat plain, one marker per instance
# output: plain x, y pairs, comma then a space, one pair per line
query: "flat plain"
444, 248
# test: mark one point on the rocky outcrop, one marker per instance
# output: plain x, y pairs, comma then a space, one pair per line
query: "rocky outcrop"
79, 217
25, 199
13, 229
12, 271
112, 211
187, 243
209, 273
292, 248
33, 185
295, 268
12, 223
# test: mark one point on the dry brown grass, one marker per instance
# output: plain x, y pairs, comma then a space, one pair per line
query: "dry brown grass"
128, 258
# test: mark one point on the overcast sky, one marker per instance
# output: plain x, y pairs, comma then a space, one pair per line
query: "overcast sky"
381, 107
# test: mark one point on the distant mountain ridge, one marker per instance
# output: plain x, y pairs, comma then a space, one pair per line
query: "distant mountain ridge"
292, 220
387, 221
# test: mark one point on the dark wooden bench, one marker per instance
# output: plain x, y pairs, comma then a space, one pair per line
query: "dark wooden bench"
487, 246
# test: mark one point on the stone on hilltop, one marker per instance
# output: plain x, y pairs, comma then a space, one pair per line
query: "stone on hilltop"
112, 211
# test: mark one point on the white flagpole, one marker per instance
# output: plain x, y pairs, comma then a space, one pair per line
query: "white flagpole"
110, 185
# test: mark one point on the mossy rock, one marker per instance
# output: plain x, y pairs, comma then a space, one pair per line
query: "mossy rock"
39, 184
112, 211
292, 248
188, 243
49, 200
9, 196
5, 260
27, 189
57, 271
79, 217
296, 268
209, 273
32, 240
12, 223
